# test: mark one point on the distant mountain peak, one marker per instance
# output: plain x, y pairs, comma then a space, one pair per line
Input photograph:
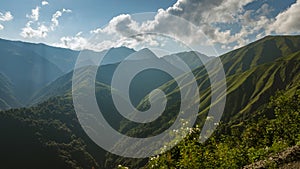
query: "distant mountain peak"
115, 55
117, 49
144, 53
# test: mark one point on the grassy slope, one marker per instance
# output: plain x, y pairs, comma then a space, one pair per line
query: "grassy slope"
249, 87
254, 73
7, 99
251, 78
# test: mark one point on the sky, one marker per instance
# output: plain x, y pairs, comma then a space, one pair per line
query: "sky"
210, 26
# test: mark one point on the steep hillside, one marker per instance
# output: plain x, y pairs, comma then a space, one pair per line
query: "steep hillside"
143, 83
190, 58
248, 90
51, 136
26, 70
254, 73
262, 51
47, 136
270, 140
7, 99
30, 67
62, 58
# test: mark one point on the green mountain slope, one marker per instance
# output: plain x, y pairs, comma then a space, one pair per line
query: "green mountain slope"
30, 67
143, 83
26, 70
51, 133
262, 51
47, 136
64, 59
190, 58
254, 73
270, 140
7, 99
248, 89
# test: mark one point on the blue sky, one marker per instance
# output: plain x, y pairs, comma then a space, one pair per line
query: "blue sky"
86, 14
226, 24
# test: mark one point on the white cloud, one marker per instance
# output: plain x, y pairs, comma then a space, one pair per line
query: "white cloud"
202, 16
225, 22
198, 17
54, 19
265, 10
211, 15
45, 3
66, 10
41, 30
29, 32
120, 28
208, 11
57, 15
7, 16
35, 14
241, 26
252, 23
76, 43
122, 25
115, 33
226, 12
288, 21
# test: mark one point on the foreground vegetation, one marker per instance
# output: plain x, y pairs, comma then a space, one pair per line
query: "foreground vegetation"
276, 129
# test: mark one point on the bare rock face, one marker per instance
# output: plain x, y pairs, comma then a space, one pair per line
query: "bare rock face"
290, 158
292, 165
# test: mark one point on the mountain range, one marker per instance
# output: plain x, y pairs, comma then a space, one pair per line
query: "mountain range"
40, 77
33, 68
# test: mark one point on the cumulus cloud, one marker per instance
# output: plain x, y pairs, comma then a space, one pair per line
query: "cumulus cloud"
45, 3
57, 15
208, 11
76, 42
35, 14
225, 22
35, 29
124, 30
29, 32
252, 23
54, 20
112, 35
211, 15
66, 10
187, 20
265, 10
288, 21
122, 24
7, 16
115, 33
